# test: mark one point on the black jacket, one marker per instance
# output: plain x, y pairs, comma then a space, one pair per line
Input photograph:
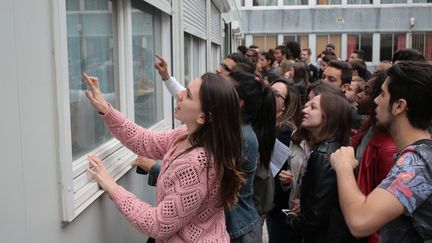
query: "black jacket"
321, 219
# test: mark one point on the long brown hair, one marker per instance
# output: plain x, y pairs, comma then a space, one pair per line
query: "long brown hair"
292, 114
300, 73
336, 123
220, 135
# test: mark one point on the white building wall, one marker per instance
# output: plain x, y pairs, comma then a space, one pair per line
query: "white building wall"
30, 205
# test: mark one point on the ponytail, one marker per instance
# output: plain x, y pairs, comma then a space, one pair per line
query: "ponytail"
265, 126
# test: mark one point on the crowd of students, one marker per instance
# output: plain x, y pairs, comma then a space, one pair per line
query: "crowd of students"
335, 154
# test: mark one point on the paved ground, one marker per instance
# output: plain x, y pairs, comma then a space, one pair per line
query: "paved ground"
264, 233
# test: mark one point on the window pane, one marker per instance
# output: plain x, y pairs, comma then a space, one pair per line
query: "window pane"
328, 2
198, 57
423, 43
393, 1
386, 48
196, 62
366, 46
288, 38
259, 41
360, 1
264, 2
428, 46
216, 56
187, 58
336, 40
195, 57
72, 5
96, 4
360, 42
304, 41
270, 43
353, 44
91, 43
145, 44
321, 42
295, 2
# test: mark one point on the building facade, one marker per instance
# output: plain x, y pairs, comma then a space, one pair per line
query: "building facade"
378, 27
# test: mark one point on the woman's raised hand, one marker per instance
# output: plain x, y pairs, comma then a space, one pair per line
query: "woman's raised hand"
162, 67
95, 95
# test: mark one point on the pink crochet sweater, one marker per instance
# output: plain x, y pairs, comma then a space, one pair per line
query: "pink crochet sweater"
186, 208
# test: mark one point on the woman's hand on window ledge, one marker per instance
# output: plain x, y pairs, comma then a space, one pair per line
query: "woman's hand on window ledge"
99, 172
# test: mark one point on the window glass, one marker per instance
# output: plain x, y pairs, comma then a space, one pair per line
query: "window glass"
265, 43
270, 43
146, 41
96, 5
258, 41
422, 1
393, 1
423, 43
72, 5
216, 56
390, 43
303, 40
187, 58
360, 42
296, 2
328, 2
264, 2
195, 57
198, 57
91, 47
323, 40
360, 1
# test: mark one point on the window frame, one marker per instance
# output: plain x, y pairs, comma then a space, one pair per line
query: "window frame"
77, 188
197, 44
361, 39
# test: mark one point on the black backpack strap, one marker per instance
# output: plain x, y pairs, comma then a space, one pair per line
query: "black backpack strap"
423, 141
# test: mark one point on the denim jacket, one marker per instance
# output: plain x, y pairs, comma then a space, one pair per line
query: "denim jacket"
243, 217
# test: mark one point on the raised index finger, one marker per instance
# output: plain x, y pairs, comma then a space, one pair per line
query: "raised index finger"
92, 82
160, 58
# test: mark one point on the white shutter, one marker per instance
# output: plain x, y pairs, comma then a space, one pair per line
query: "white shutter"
216, 28
195, 18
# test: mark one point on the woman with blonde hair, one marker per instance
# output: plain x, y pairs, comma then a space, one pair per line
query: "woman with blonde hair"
286, 70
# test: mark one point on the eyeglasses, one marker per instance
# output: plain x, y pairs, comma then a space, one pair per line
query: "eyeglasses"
224, 66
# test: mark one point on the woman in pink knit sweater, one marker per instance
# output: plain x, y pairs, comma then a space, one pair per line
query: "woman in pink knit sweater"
200, 175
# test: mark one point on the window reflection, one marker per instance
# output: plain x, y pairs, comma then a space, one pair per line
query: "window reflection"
146, 41
91, 43
360, 42
194, 57
390, 43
